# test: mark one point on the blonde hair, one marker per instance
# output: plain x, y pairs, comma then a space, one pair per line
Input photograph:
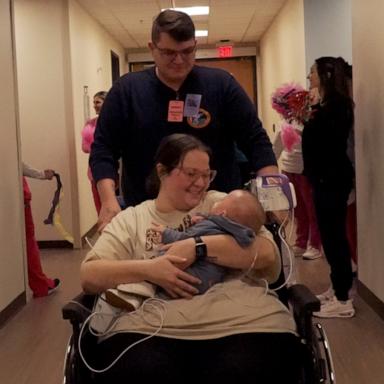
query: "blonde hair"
245, 209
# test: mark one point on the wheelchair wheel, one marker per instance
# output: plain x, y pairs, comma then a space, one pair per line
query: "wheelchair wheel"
328, 370
70, 363
318, 364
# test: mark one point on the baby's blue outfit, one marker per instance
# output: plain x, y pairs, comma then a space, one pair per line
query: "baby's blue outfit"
207, 272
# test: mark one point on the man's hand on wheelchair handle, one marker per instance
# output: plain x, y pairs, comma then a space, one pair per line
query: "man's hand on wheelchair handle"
108, 211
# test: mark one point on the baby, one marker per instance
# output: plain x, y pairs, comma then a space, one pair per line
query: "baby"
239, 214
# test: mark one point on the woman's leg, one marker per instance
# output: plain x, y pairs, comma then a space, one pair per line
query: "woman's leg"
307, 195
38, 281
155, 358
256, 357
331, 209
252, 358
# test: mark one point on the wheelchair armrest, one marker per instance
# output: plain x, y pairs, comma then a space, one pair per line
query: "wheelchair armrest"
79, 308
303, 303
302, 299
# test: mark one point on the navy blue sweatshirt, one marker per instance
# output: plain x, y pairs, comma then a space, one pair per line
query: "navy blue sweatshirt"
133, 120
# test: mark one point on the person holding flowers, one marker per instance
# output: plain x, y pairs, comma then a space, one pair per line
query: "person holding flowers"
292, 103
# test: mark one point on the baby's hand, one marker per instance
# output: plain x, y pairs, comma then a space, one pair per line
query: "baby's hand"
158, 227
196, 219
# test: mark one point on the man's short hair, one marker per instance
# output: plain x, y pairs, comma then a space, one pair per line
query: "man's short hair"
177, 24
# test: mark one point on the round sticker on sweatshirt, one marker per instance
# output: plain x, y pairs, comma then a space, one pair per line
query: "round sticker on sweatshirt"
201, 120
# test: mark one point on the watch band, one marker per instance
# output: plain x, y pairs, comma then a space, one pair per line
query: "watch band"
200, 248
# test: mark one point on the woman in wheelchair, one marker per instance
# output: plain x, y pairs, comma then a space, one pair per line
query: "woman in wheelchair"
236, 330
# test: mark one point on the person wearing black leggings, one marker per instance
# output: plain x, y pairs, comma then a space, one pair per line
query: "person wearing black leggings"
329, 169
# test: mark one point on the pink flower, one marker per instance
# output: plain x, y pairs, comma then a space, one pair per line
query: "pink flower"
289, 136
291, 102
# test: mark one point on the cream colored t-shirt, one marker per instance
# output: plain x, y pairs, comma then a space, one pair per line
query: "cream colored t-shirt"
238, 305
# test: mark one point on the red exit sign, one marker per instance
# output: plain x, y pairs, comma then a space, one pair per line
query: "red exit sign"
225, 51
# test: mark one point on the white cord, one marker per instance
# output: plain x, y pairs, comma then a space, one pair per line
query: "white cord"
290, 259
288, 248
252, 265
157, 304
88, 242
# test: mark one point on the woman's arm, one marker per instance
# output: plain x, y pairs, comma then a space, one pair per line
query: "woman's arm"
224, 250
227, 252
100, 275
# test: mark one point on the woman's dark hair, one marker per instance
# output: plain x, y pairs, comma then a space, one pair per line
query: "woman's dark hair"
333, 75
100, 94
171, 152
177, 24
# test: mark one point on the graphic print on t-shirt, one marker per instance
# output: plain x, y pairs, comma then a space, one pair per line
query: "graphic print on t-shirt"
153, 238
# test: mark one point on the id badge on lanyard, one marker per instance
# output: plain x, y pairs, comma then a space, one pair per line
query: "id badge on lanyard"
177, 109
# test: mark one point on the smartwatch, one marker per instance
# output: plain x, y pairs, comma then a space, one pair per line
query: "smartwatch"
200, 248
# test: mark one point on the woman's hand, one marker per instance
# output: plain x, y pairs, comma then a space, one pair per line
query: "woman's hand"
166, 271
49, 173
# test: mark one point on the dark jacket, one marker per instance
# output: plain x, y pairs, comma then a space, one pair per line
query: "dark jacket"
324, 141
133, 120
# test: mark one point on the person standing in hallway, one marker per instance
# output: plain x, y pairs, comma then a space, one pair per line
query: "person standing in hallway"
87, 135
329, 169
174, 96
308, 241
40, 284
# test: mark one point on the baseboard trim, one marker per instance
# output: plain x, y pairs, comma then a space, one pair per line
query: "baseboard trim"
44, 244
370, 298
47, 244
11, 309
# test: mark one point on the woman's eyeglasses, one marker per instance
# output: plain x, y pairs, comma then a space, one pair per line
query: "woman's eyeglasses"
193, 174
170, 54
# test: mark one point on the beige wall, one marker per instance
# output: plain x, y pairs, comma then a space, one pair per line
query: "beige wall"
281, 58
368, 89
91, 66
328, 29
60, 49
45, 114
12, 281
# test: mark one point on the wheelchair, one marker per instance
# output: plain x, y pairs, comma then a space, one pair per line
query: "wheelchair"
316, 366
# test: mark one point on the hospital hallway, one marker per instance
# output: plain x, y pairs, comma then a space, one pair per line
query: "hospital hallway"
33, 342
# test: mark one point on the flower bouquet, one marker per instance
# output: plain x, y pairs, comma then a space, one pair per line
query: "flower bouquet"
291, 102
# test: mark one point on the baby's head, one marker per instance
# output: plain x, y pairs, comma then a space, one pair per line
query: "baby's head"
243, 207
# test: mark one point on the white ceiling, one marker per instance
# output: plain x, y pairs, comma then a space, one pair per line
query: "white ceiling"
130, 21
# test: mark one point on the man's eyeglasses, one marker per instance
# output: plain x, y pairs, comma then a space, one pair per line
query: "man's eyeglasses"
193, 174
170, 54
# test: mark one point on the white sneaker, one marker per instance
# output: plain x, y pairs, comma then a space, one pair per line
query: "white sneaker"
327, 295
312, 253
298, 251
335, 308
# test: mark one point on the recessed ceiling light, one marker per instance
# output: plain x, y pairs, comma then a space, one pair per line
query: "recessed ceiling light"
191, 11
201, 33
